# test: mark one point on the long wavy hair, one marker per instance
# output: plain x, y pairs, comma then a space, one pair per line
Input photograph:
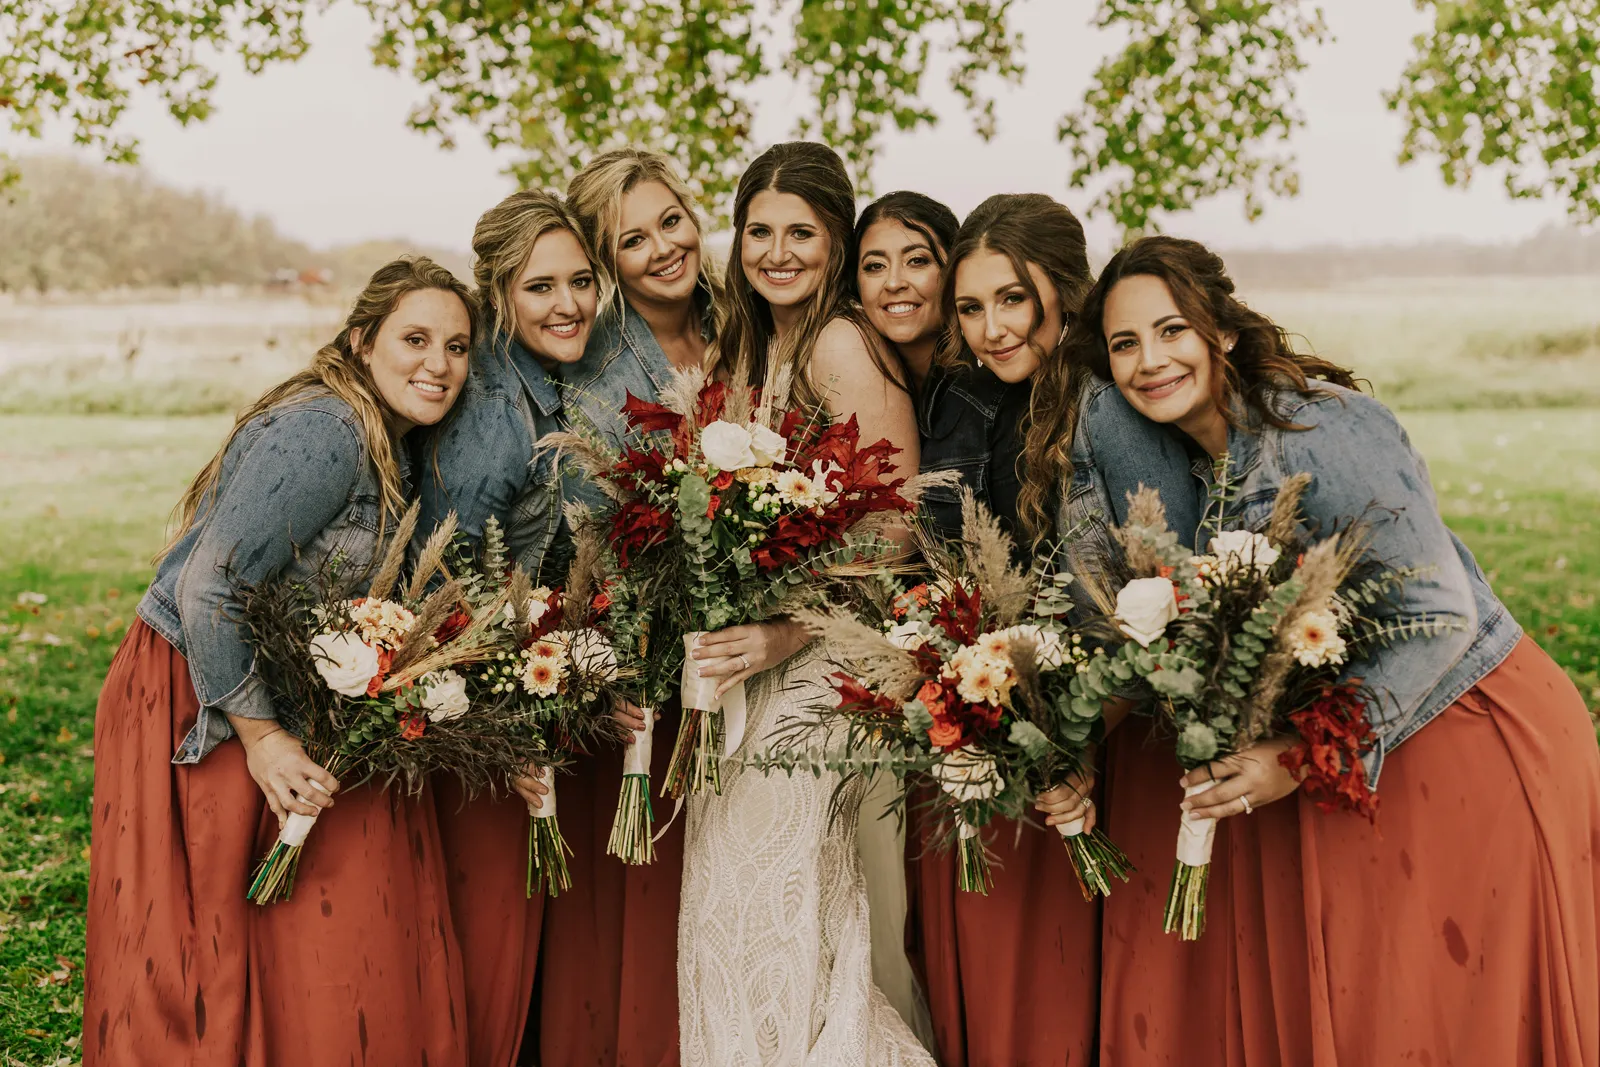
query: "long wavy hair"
814, 173
338, 370
595, 197
936, 223
1263, 359
1026, 228
503, 240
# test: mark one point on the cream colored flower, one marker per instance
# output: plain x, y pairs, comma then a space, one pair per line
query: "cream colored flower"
767, 447
381, 622
347, 663
981, 678
968, 774
794, 488
541, 675
907, 635
821, 493
1314, 639
1048, 651
1144, 607
444, 695
592, 654
995, 644
1241, 548
727, 446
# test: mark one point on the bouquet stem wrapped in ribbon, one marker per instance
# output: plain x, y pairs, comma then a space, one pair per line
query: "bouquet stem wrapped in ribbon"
273, 879
547, 851
711, 727
1095, 859
1191, 873
633, 828
972, 862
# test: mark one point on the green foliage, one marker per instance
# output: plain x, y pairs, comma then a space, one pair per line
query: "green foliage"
1509, 84
1199, 102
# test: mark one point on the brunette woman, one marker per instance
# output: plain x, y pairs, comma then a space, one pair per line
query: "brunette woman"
609, 991
196, 775
774, 953
1017, 269
533, 268
1465, 927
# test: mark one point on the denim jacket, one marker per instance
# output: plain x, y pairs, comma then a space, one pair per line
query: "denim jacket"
1363, 467
296, 486
1115, 450
970, 421
484, 461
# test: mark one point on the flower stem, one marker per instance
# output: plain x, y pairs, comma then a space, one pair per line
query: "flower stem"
972, 865
632, 830
547, 857
1186, 901
274, 875
1095, 860
696, 755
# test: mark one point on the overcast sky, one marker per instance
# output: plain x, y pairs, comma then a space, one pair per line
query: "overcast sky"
321, 146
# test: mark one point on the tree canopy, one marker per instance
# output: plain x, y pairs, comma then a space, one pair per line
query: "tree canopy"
1198, 101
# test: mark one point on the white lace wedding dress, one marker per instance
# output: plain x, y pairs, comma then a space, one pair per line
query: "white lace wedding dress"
774, 941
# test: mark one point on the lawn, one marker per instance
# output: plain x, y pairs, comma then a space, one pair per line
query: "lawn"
86, 498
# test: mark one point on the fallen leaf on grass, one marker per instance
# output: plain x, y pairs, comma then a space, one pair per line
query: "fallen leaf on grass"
35, 1033
65, 736
91, 632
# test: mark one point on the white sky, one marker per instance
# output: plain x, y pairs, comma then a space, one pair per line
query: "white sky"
321, 146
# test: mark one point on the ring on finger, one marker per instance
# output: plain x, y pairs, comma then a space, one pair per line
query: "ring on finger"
1248, 810
744, 662
1211, 772
1088, 804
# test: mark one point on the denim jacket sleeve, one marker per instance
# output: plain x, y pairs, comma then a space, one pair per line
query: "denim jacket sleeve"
294, 477
478, 466
1363, 467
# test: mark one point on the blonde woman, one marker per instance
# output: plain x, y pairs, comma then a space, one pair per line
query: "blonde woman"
609, 993
774, 947
533, 267
195, 773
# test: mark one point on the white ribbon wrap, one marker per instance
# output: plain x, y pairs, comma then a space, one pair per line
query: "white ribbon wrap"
547, 803
636, 758
1070, 829
295, 829
1195, 834
964, 829
699, 693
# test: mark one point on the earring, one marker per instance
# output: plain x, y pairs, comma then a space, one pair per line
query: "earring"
1066, 324
1229, 347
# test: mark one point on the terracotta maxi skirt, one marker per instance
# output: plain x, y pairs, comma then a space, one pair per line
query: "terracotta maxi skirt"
609, 972
359, 966
1010, 978
1462, 930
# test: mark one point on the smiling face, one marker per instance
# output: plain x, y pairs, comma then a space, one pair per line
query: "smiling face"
899, 278
658, 246
784, 250
554, 298
419, 358
997, 314
1158, 360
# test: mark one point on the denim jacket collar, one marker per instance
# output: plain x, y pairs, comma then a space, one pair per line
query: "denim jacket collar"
536, 381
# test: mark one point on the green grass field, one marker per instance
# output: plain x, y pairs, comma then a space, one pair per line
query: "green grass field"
86, 500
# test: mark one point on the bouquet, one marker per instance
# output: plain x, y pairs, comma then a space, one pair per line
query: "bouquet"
1248, 641
967, 683
373, 684
551, 675
730, 508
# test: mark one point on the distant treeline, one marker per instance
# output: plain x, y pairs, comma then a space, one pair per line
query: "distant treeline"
1553, 250
86, 227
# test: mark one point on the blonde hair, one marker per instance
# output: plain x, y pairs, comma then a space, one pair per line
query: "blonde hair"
338, 370
595, 197
504, 239
816, 174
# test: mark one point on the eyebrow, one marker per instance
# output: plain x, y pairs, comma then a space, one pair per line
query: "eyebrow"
416, 326
1157, 324
551, 277
907, 249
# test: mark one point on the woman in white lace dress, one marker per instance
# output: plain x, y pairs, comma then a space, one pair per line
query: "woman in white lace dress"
774, 948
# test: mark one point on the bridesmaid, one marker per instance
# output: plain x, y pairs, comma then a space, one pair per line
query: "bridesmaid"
1017, 270
361, 963
533, 267
609, 992
1465, 927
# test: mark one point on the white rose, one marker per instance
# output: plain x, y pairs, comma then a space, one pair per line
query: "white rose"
968, 774
907, 635
767, 446
592, 654
1144, 607
533, 610
445, 697
345, 662
1048, 651
727, 446
1238, 548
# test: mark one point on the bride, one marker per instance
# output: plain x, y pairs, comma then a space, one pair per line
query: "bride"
774, 947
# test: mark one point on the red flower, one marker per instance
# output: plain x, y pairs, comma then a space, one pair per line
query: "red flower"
1334, 732
855, 697
647, 417
411, 728
723, 480
638, 525
917, 595
385, 658
458, 620
601, 602
713, 505
944, 734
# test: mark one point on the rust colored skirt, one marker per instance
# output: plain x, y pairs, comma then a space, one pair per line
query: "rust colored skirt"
359, 966
609, 978
486, 859
1463, 930
1011, 978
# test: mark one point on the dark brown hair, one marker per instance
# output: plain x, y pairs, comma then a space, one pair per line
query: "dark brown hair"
815, 174
1262, 360
1025, 228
